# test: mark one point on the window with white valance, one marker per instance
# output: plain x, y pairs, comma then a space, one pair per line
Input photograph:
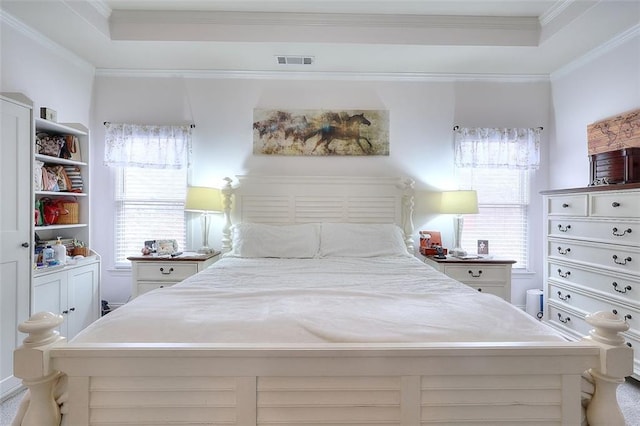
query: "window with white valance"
151, 182
498, 164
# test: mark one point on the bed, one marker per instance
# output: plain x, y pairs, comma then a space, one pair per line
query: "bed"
318, 314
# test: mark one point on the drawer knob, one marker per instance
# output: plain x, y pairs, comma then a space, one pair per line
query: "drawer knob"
563, 275
565, 205
629, 344
622, 262
624, 290
563, 320
563, 252
561, 297
564, 229
615, 204
480, 290
163, 272
473, 274
618, 234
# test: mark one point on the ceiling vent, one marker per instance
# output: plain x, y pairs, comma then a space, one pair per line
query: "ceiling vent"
295, 60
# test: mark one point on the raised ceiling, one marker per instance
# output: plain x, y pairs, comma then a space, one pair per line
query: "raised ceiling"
360, 38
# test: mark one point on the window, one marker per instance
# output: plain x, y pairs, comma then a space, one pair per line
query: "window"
498, 164
149, 205
503, 206
151, 184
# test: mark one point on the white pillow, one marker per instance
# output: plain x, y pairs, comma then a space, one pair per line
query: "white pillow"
287, 241
361, 240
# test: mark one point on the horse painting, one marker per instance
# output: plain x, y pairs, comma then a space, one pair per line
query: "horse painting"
312, 132
346, 129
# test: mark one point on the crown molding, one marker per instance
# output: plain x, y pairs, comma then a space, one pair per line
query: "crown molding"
101, 7
27, 31
327, 76
321, 27
593, 54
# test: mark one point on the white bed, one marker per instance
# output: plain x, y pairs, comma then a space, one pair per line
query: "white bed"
319, 315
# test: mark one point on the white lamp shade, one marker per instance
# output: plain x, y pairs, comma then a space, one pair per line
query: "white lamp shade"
203, 199
459, 202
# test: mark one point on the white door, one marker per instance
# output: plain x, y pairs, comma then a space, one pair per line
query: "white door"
16, 214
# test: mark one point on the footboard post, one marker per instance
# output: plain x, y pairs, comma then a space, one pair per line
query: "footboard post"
616, 363
227, 192
31, 364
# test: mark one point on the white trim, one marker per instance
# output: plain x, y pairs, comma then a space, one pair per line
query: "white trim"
315, 75
38, 37
101, 7
596, 52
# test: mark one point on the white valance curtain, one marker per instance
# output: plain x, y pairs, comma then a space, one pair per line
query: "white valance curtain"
158, 147
517, 148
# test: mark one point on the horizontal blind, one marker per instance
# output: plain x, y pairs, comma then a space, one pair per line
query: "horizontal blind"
149, 206
503, 205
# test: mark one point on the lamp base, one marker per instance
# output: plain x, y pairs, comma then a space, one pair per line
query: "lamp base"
457, 252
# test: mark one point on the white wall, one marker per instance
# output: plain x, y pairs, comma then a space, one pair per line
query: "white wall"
605, 86
422, 115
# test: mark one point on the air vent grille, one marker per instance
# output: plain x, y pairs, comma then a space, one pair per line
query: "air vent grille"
295, 60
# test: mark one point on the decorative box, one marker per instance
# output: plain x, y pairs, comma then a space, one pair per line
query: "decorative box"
427, 251
621, 166
614, 133
48, 114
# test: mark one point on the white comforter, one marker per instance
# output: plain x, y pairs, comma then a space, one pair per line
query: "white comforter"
345, 300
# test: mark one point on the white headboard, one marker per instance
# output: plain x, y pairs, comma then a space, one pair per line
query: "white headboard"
316, 199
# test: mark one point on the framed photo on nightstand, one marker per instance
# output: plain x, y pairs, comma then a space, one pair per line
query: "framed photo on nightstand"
483, 246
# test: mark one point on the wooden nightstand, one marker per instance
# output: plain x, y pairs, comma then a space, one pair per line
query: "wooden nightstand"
151, 272
486, 275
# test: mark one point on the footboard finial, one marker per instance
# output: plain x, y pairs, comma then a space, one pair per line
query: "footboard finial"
227, 192
31, 364
616, 363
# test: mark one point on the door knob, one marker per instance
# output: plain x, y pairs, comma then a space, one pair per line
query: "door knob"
25, 245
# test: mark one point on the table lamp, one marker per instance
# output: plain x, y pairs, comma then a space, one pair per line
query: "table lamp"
203, 200
458, 203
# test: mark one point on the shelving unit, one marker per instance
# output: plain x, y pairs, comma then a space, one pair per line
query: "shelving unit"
72, 290
80, 230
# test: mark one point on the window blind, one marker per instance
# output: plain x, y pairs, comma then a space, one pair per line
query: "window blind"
503, 205
149, 206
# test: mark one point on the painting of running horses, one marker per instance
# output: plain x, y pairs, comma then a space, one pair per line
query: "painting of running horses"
320, 132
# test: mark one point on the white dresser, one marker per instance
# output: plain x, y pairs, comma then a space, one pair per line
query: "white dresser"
593, 258
485, 275
150, 272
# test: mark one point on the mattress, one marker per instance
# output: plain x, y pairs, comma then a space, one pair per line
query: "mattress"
322, 300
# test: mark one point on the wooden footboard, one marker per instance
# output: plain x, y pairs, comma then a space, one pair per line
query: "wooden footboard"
393, 384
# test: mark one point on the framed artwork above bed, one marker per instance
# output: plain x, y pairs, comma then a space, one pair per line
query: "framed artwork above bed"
320, 132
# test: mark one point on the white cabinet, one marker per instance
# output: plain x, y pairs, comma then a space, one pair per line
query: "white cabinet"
15, 230
73, 292
149, 272
491, 276
593, 258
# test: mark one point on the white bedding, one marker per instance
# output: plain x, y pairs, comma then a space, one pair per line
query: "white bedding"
343, 300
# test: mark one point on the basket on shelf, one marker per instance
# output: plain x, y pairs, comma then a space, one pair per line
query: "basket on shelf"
81, 251
69, 212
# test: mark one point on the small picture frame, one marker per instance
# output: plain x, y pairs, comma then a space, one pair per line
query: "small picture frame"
166, 247
483, 246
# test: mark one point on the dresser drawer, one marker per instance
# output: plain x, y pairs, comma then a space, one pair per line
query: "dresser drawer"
589, 303
617, 258
615, 204
169, 271
496, 290
567, 205
474, 274
622, 232
625, 289
146, 287
567, 320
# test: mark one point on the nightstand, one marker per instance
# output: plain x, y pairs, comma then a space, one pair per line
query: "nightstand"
151, 272
485, 274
